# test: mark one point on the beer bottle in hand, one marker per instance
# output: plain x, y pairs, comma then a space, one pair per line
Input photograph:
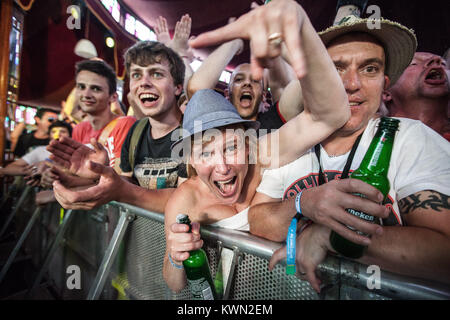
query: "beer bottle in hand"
372, 170
197, 270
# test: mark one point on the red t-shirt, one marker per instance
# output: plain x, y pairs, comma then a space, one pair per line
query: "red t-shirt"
83, 132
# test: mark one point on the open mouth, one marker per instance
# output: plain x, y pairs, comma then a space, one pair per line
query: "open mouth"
435, 76
355, 104
226, 187
246, 99
148, 99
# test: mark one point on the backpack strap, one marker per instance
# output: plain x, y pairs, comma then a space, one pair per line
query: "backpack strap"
135, 137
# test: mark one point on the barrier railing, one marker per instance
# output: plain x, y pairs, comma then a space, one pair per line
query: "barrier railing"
123, 247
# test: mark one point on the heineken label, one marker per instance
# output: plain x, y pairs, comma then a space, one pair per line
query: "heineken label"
361, 215
201, 290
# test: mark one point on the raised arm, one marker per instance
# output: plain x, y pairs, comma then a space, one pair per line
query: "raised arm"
325, 100
208, 74
179, 43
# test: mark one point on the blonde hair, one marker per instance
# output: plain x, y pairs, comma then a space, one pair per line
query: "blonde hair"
250, 144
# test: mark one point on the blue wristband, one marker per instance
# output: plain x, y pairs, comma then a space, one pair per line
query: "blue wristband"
178, 266
298, 207
290, 247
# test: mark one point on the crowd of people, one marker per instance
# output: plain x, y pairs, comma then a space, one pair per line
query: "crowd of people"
234, 160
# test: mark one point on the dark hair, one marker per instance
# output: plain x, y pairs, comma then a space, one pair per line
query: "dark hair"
41, 111
61, 124
144, 53
101, 68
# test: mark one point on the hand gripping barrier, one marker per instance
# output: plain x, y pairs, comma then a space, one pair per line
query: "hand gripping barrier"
123, 247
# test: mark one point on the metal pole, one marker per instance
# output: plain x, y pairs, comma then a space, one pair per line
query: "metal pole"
6, 7
230, 278
48, 258
22, 198
22, 238
110, 255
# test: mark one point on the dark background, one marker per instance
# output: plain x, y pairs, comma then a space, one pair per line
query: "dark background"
47, 70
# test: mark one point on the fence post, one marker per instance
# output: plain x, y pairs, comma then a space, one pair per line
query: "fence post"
110, 254
22, 238
48, 258
22, 198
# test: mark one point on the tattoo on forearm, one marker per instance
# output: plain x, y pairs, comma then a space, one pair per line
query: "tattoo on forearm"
425, 200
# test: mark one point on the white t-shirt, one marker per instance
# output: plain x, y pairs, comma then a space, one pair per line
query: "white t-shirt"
420, 160
38, 154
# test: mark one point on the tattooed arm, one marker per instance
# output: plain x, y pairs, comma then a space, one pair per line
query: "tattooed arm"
421, 248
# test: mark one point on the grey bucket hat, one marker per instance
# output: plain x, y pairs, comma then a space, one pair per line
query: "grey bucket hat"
399, 42
210, 109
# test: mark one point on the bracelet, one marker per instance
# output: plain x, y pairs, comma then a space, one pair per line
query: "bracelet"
178, 266
299, 215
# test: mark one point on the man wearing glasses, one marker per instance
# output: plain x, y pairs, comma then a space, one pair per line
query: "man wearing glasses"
27, 141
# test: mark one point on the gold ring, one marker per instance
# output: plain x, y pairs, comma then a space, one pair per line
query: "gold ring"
275, 38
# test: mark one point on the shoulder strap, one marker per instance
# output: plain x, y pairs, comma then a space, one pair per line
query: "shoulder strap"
135, 136
107, 130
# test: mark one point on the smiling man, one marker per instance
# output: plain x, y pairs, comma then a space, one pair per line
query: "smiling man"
422, 93
95, 90
156, 80
156, 75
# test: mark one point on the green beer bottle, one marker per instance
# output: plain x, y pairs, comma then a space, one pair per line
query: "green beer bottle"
372, 170
197, 270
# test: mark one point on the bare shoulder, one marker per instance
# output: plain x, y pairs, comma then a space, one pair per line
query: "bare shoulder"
183, 198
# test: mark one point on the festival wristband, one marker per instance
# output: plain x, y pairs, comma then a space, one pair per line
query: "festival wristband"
290, 247
178, 266
292, 234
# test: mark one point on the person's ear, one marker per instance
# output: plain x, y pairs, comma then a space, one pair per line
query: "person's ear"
113, 98
387, 97
178, 89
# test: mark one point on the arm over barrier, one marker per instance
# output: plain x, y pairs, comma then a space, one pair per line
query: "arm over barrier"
121, 246
343, 279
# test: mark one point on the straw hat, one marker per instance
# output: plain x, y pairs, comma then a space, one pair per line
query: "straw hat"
399, 42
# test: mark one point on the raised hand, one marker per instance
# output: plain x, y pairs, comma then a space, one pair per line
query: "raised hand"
181, 36
75, 156
266, 27
162, 31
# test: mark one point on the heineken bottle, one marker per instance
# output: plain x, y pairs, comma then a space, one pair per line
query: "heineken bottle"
197, 270
372, 170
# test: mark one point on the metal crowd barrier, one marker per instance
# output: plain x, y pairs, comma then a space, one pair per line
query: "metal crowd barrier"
120, 248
